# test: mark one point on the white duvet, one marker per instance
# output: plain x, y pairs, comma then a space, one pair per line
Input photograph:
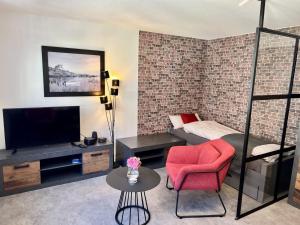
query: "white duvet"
208, 129
212, 130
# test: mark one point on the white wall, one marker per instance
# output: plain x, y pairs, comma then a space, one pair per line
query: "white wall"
21, 83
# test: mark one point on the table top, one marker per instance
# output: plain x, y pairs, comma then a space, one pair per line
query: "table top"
147, 180
151, 140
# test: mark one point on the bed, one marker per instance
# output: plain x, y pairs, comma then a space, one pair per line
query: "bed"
260, 174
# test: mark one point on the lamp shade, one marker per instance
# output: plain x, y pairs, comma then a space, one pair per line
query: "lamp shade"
108, 106
105, 74
103, 99
114, 91
115, 83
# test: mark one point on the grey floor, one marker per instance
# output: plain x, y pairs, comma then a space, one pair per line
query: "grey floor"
93, 202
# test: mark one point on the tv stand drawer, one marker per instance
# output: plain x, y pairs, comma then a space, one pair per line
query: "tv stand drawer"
29, 181
21, 175
95, 161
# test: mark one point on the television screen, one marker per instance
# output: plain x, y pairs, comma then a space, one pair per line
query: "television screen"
27, 127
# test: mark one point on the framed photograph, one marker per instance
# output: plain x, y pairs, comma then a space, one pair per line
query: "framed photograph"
72, 72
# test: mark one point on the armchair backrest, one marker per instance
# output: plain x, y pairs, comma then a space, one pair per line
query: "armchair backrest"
214, 158
226, 155
225, 149
208, 154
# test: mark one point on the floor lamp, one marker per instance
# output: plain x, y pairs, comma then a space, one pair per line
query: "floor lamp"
110, 104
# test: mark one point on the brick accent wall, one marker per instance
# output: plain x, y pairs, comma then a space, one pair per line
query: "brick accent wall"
225, 81
226, 84
170, 71
221, 82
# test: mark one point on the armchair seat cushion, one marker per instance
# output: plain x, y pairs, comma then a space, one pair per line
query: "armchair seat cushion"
204, 181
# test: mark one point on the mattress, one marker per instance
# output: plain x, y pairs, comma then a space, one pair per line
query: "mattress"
208, 129
193, 139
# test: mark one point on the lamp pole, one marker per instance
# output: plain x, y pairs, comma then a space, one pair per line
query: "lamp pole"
110, 107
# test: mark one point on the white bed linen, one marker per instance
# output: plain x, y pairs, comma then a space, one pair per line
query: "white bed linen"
262, 149
208, 129
212, 130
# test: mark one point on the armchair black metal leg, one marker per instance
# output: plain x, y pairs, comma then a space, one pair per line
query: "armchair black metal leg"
222, 204
170, 188
195, 216
176, 209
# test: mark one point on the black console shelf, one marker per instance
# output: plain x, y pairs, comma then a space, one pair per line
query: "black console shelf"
60, 162
60, 174
39, 167
60, 166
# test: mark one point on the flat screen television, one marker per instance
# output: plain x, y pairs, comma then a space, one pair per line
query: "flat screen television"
28, 127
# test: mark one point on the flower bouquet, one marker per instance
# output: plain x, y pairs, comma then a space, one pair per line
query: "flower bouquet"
133, 164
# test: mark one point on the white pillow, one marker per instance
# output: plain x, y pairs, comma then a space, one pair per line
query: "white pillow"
197, 116
176, 121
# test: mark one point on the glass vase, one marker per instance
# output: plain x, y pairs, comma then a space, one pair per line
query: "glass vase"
132, 175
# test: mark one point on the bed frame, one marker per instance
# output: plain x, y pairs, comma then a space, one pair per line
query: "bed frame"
261, 186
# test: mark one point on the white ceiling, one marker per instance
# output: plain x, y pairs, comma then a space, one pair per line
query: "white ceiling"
205, 19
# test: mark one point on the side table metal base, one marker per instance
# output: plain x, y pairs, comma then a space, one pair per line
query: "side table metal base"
134, 206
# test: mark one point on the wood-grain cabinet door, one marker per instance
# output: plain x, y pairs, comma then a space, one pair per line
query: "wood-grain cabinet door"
96, 161
22, 175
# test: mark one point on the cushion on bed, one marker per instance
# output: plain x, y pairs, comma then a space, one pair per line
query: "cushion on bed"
176, 121
197, 116
188, 117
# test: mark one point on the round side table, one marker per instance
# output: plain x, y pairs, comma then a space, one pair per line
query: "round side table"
133, 196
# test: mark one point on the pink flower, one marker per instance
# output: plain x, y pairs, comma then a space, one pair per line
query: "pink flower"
134, 162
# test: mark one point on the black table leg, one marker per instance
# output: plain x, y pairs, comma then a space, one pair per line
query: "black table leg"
126, 204
143, 204
130, 208
121, 200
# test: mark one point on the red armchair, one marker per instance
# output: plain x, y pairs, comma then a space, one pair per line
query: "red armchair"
199, 167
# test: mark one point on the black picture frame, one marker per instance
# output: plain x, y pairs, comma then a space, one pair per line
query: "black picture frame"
50, 93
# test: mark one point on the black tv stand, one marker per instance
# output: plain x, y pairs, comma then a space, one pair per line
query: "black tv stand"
14, 151
39, 167
79, 144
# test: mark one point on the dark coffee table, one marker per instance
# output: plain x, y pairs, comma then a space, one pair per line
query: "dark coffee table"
133, 196
152, 149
